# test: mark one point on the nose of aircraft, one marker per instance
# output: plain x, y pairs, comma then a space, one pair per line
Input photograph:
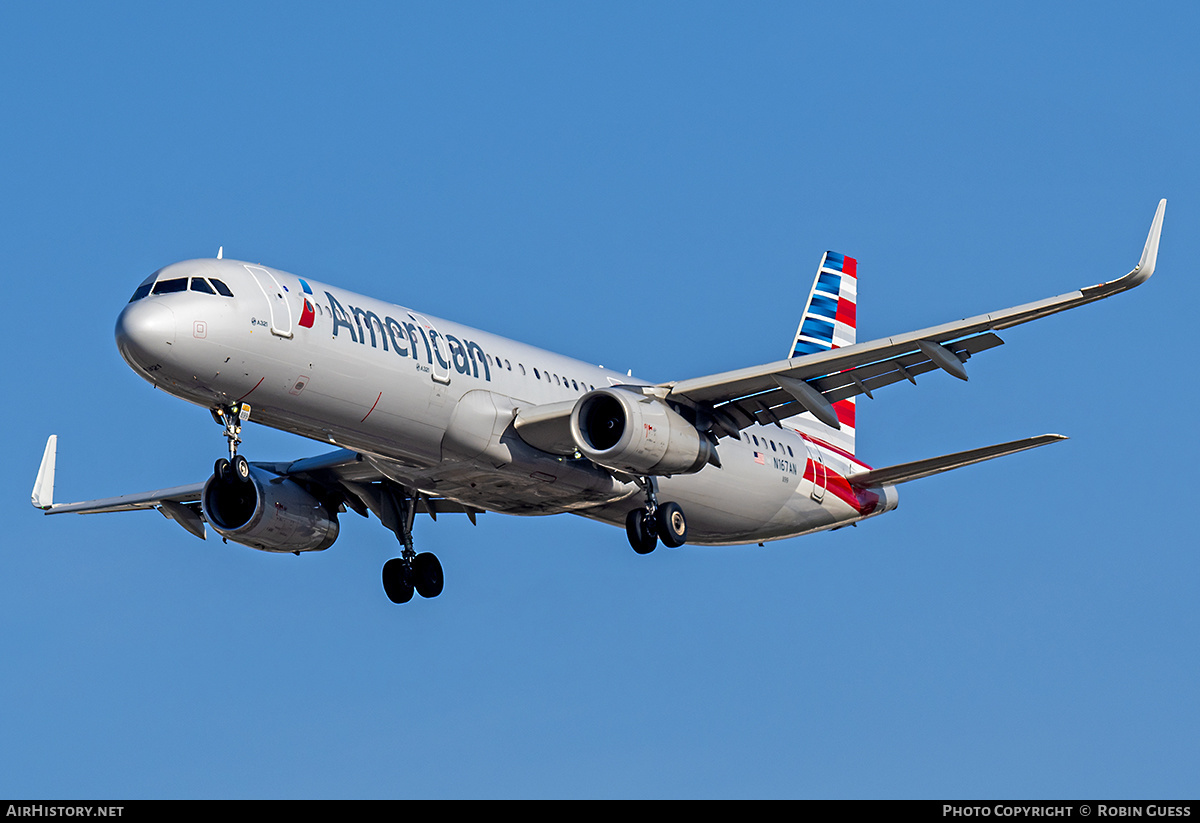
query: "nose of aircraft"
144, 329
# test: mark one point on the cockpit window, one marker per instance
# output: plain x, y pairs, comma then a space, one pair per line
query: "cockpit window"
171, 286
178, 284
144, 289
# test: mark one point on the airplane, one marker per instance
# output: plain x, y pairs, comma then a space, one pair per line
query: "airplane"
430, 416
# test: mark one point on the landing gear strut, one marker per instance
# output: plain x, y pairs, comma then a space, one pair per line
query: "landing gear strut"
231, 420
410, 571
236, 468
665, 521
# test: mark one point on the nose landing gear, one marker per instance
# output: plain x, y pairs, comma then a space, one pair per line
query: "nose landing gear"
236, 467
231, 419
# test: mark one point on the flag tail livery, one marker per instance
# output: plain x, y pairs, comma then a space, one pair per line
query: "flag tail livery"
427, 416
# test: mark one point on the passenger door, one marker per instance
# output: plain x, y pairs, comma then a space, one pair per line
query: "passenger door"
273, 290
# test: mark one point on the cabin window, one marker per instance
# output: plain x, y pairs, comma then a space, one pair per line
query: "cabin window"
537, 373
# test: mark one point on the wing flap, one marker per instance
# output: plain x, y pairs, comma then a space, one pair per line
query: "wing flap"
774, 404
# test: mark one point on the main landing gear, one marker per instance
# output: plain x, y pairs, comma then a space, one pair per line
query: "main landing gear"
422, 574
410, 571
657, 520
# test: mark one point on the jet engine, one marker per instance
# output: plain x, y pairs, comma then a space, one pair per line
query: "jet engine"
625, 430
266, 512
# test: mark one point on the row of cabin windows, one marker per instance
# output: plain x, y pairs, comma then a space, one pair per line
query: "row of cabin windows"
506, 364
781, 448
178, 284
565, 382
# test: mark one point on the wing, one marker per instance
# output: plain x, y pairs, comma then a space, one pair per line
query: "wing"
345, 478
769, 393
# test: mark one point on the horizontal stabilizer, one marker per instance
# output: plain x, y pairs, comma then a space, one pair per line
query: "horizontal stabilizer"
904, 472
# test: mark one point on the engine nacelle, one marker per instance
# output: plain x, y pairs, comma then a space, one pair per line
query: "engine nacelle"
625, 430
270, 513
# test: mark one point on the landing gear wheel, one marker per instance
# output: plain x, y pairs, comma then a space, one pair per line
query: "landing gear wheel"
397, 581
241, 468
672, 525
427, 575
639, 525
222, 470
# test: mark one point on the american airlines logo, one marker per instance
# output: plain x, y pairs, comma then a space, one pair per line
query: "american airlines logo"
408, 338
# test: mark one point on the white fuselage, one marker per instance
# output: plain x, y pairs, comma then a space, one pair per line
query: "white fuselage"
431, 403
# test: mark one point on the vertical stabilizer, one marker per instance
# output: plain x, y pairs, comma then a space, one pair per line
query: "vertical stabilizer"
828, 323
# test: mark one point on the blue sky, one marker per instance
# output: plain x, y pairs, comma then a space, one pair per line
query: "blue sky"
647, 187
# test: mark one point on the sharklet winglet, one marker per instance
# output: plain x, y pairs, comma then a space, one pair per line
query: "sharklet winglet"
43, 487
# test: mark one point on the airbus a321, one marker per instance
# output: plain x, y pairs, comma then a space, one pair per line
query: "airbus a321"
430, 416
